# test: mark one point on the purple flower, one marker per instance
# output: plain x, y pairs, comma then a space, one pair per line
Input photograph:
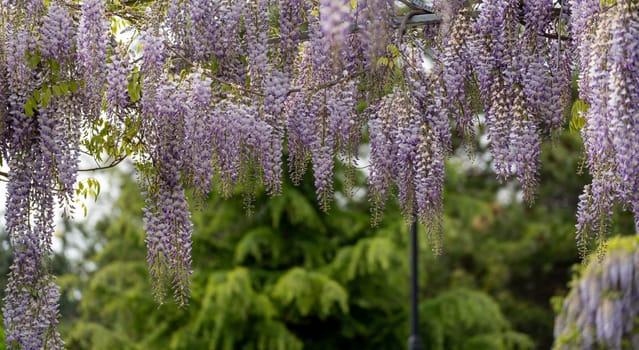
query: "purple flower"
323, 161
257, 40
57, 34
335, 20
456, 73
429, 184
117, 95
610, 135
92, 40
601, 306
381, 158
275, 87
167, 221
374, 18
525, 146
198, 129
290, 21
213, 29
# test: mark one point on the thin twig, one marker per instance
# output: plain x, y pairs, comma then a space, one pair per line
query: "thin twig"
103, 167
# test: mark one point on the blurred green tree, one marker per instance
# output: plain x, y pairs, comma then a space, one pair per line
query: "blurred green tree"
287, 277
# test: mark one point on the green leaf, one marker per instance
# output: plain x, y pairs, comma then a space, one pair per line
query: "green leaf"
64, 87
382, 61
73, 85
34, 60
393, 50
29, 107
604, 4
55, 70
361, 105
256, 242
57, 92
577, 121
45, 96
36, 95
310, 292
133, 87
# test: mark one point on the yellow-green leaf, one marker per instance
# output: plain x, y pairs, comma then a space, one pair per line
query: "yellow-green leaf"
577, 121
382, 61
393, 50
29, 107
603, 4
57, 92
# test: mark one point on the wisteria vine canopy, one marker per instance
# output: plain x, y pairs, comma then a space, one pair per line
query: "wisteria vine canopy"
209, 95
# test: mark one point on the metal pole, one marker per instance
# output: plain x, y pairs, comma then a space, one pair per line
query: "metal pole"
414, 340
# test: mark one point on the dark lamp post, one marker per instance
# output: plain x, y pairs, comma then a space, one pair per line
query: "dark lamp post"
414, 340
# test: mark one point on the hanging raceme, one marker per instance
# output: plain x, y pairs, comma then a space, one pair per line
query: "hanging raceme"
209, 95
608, 84
93, 31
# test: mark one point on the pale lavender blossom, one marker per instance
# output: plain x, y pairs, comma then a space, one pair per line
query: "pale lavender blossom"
382, 155
214, 27
335, 20
117, 95
275, 87
525, 143
600, 310
167, 216
610, 131
290, 22
457, 61
538, 14
582, 25
323, 162
429, 184
168, 238
92, 41
244, 142
151, 74
374, 22
57, 34
198, 129
59, 148
623, 106
499, 123
257, 40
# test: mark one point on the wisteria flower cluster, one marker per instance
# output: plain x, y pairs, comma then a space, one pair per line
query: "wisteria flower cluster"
609, 61
213, 95
40, 146
522, 75
92, 44
601, 308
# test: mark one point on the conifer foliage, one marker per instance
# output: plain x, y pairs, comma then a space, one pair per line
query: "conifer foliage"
204, 94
